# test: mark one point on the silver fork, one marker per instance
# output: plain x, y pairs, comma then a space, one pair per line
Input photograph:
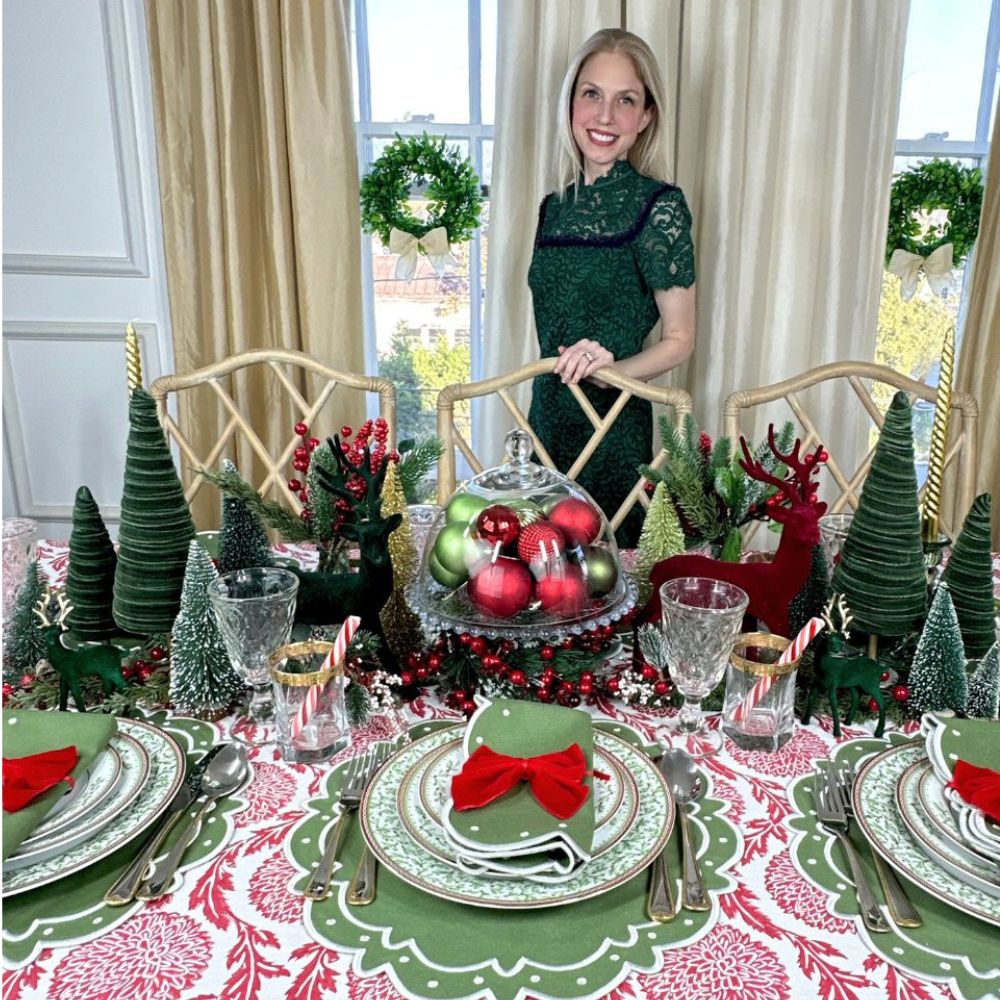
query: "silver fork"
833, 818
358, 772
361, 891
902, 910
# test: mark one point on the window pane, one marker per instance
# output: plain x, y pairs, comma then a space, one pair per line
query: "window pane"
419, 60
489, 59
423, 333
487, 162
943, 68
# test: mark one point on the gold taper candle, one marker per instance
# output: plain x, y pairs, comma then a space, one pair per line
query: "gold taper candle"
133, 359
939, 440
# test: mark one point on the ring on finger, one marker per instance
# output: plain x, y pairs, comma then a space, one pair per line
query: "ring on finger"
589, 356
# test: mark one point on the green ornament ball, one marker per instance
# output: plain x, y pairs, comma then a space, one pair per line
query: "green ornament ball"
451, 548
548, 503
601, 571
464, 507
527, 511
443, 576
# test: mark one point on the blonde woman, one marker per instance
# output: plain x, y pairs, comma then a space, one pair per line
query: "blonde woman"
613, 255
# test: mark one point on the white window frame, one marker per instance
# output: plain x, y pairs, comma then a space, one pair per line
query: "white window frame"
474, 132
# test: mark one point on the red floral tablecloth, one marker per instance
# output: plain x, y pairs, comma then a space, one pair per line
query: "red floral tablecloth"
235, 930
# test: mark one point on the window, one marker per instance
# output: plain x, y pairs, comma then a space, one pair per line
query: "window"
426, 67
947, 104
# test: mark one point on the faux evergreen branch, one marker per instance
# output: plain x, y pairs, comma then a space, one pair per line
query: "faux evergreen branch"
653, 646
417, 459
291, 527
359, 704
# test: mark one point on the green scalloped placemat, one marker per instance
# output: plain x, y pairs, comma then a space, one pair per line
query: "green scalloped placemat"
438, 949
950, 947
72, 910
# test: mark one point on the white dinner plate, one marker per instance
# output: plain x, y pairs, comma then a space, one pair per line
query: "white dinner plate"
404, 857
164, 773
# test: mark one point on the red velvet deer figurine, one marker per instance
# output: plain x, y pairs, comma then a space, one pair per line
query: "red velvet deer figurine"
770, 585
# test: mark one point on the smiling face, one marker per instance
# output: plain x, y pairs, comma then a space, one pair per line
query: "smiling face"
608, 111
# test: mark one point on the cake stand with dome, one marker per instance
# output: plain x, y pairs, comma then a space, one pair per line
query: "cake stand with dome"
521, 552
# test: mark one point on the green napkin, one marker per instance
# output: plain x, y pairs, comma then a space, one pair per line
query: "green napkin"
30, 732
514, 836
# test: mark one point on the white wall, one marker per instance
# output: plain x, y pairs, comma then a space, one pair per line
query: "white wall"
82, 250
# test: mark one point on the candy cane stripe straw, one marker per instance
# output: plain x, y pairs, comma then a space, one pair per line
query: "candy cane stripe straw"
336, 655
764, 684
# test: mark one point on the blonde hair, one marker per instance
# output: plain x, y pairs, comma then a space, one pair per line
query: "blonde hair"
647, 155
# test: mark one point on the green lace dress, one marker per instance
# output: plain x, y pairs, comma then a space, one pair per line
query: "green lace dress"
598, 258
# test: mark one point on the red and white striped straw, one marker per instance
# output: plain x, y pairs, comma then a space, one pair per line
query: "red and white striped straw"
764, 684
336, 655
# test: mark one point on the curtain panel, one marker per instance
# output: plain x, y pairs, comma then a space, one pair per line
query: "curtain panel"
259, 191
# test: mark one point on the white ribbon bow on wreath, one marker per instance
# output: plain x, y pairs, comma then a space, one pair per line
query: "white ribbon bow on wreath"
434, 243
936, 267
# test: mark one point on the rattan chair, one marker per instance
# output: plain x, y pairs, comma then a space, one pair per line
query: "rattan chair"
289, 369
452, 438
962, 447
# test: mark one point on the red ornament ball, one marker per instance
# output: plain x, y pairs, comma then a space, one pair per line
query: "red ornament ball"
294, 485
613, 685
563, 592
157, 653
540, 542
498, 525
502, 588
478, 645
547, 653
518, 678
661, 688
872, 705
580, 523
406, 678
301, 429
649, 672
901, 692
885, 676
469, 706
145, 673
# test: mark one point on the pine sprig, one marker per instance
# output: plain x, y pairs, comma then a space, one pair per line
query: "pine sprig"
291, 527
417, 459
359, 704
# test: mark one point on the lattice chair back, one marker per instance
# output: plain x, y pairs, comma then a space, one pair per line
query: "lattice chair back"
960, 457
453, 439
308, 385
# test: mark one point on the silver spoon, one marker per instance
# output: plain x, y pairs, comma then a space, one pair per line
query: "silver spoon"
223, 776
685, 783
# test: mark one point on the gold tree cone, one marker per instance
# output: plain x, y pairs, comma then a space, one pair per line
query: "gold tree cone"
401, 625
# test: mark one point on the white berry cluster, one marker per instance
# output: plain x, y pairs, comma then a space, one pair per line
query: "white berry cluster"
380, 689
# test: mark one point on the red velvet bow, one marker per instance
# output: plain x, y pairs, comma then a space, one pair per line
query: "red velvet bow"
979, 786
556, 779
25, 778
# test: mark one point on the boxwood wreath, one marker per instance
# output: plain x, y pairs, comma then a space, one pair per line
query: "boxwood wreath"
452, 189
929, 186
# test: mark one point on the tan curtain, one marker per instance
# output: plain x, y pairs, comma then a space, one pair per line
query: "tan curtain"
536, 42
979, 351
259, 189
786, 119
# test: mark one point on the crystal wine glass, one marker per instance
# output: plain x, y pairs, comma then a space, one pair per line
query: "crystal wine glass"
701, 619
254, 608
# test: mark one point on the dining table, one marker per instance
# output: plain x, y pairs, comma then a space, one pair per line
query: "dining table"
783, 923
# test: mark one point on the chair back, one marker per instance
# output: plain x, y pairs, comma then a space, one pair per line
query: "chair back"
453, 439
289, 371
960, 454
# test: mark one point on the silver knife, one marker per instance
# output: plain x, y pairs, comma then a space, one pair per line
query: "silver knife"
124, 890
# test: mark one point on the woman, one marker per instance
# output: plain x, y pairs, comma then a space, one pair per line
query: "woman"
613, 255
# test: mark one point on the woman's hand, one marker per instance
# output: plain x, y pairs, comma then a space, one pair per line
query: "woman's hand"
581, 360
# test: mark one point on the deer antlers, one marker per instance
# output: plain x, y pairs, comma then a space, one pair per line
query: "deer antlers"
42, 607
837, 603
355, 483
798, 487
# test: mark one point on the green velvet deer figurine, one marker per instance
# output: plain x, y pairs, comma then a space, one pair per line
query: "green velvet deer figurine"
839, 665
325, 598
73, 665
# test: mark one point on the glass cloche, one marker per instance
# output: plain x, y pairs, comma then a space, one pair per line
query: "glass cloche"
521, 552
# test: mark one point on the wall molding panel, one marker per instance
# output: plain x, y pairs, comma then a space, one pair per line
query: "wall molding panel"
122, 91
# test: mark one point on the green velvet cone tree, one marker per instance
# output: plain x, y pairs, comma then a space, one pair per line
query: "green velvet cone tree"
984, 686
811, 600
155, 531
969, 575
23, 639
90, 579
242, 539
203, 682
661, 535
881, 570
938, 681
